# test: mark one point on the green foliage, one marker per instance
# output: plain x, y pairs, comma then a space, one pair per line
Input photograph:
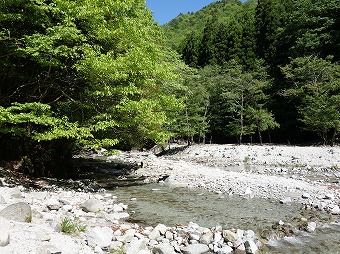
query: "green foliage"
69, 226
191, 122
36, 121
316, 84
313, 29
177, 29
91, 73
119, 250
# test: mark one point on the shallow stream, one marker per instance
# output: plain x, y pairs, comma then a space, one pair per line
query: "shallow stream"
151, 204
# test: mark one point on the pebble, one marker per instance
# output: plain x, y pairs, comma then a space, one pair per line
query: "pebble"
4, 237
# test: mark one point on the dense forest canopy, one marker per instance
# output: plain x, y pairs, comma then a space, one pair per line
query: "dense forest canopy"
90, 74
266, 67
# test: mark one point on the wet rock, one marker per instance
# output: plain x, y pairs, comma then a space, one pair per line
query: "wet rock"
195, 249
93, 205
20, 212
229, 236
311, 226
4, 237
116, 216
207, 238
250, 247
100, 236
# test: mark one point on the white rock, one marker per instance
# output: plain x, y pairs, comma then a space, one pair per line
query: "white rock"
217, 237
311, 226
161, 228
116, 216
136, 246
335, 210
101, 236
330, 196
225, 250
164, 248
2, 200
4, 237
195, 249
305, 195
15, 193
67, 208
93, 205
98, 250
48, 249
248, 191
53, 204
207, 238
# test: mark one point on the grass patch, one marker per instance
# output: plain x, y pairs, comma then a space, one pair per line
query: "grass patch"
69, 226
119, 250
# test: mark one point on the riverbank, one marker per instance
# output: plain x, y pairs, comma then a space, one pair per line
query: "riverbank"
287, 175
308, 175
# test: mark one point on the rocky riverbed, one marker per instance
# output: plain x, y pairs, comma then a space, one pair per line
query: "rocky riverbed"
70, 222
56, 220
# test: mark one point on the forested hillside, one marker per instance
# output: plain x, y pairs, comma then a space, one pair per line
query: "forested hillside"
262, 71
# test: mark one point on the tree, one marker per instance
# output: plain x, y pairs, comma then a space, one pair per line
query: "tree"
316, 84
97, 66
267, 22
206, 47
189, 49
245, 96
313, 29
191, 121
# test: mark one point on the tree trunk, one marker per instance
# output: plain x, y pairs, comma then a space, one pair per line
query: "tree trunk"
260, 136
333, 137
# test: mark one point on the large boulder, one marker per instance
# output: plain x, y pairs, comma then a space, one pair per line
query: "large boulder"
93, 205
20, 212
100, 236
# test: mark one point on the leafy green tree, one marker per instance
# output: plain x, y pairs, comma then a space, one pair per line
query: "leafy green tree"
316, 84
99, 67
191, 121
267, 22
189, 49
313, 29
244, 93
206, 47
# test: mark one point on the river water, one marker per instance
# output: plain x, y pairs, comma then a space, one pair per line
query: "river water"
151, 204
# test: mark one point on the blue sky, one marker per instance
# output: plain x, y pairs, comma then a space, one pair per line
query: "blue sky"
166, 10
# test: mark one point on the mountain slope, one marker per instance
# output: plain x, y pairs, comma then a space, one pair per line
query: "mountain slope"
177, 29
